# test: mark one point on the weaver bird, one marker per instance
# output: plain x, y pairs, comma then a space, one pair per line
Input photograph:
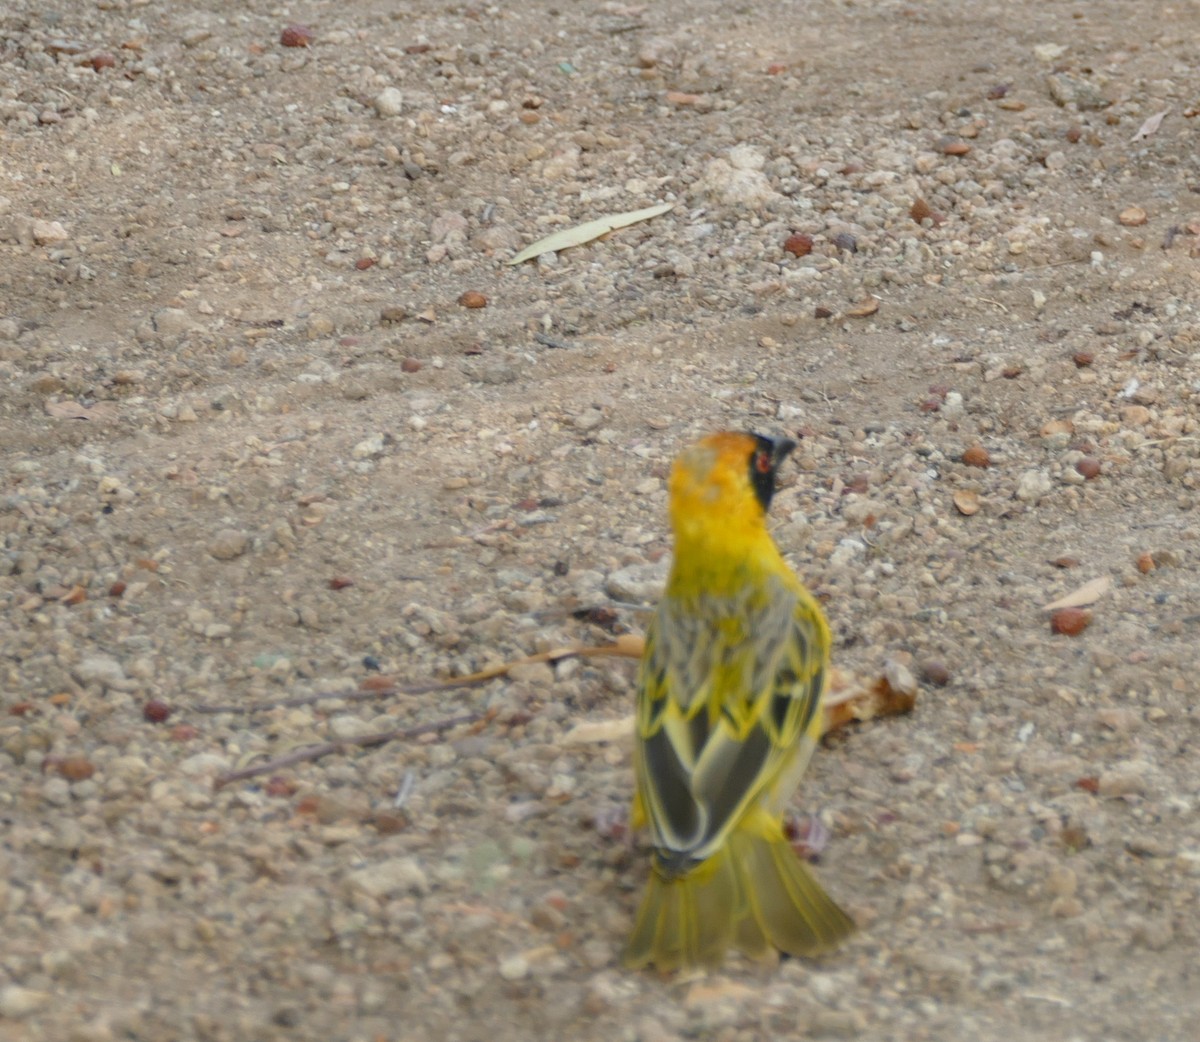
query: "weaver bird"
728, 713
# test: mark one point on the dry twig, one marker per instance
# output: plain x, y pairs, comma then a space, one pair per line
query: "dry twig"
308, 753
626, 646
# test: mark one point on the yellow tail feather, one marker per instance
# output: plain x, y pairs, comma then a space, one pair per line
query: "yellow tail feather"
753, 893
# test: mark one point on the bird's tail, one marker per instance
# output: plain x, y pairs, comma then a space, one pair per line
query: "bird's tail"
753, 893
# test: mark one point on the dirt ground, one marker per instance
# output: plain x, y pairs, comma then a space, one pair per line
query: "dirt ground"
256, 447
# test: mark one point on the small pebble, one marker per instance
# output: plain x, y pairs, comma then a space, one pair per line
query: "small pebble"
228, 544
394, 876
514, 967
17, 1003
389, 102
1124, 779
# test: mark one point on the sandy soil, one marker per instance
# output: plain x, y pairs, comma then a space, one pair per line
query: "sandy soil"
255, 447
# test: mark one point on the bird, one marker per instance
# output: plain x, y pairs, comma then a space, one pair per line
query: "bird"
729, 694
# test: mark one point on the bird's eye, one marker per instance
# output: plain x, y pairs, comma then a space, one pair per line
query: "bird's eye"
762, 462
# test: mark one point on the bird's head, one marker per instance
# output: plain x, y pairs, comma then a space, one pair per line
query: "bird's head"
726, 478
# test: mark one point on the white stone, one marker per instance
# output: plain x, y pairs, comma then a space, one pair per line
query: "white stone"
515, 967
389, 102
1032, 485
100, 669
368, 448
47, 232
400, 875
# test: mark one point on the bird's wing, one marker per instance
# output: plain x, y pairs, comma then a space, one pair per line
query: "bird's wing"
726, 694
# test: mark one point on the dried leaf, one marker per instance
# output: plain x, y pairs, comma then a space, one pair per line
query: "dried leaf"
851, 698
582, 233
1088, 593
1150, 126
101, 412
867, 307
76, 595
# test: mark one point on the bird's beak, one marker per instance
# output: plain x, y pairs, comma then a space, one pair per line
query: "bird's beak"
781, 448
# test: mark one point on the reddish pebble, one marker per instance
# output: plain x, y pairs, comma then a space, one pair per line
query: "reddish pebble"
363, 263
388, 823
1089, 467
184, 732
277, 785
798, 244
411, 365
1083, 359
75, 768
1145, 563
935, 672
1070, 621
340, 582
156, 711
977, 456
296, 36
473, 299
116, 589
104, 60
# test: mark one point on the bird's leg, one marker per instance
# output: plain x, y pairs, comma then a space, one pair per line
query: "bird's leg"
807, 834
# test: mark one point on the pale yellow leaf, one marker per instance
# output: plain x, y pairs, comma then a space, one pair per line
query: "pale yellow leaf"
592, 731
582, 233
1088, 593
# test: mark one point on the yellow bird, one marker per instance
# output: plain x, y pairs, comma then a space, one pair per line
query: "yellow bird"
728, 714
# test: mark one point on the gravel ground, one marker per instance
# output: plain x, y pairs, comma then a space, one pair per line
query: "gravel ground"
255, 446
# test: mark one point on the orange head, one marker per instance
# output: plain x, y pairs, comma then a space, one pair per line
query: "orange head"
725, 482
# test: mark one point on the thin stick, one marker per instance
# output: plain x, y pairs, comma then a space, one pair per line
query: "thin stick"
628, 645
307, 753
299, 700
